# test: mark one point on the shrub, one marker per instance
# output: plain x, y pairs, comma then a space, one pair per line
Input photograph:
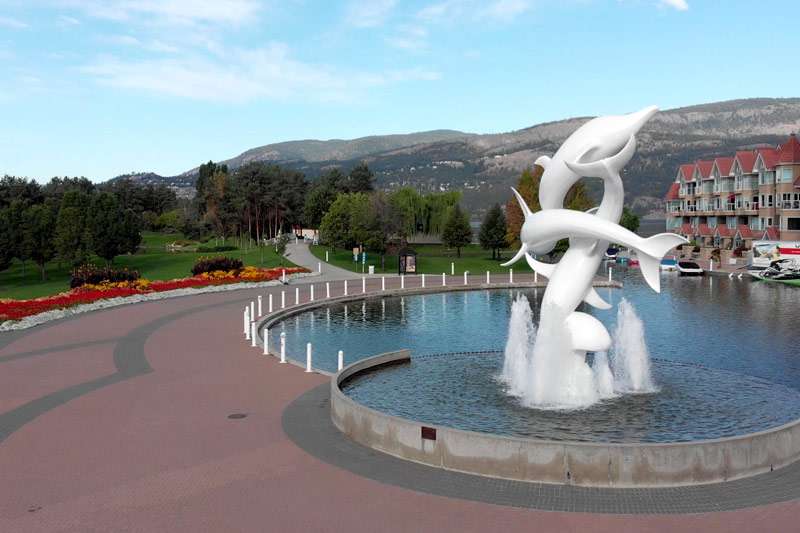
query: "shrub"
221, 248
95, 275
210, 264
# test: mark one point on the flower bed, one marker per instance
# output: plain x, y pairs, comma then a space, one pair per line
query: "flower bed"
89, 293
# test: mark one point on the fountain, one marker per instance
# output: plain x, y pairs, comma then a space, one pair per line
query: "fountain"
555, 373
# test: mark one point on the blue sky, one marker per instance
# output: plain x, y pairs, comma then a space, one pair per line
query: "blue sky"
103, 87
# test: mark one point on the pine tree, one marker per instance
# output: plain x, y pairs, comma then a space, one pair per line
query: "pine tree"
492, 235
457, 232
71, 237
40, 224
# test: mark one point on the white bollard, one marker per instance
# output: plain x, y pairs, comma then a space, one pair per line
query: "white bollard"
311, 293
488, 281
283, 275
253, 336
444, 280
609, 274
270, 303
423, 281
326, 256
319, 268
363, 284
308, 357
266, 342
341, 360
345, 287
283, 346
252, 310
296, 295
452, 269
711, 265
246, 320
283, 299
402, 282
465, 277
383, 283
327, 289
511, 275
259, 305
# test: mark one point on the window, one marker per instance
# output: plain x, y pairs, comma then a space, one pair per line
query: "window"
769, 221
793, 223
786, 175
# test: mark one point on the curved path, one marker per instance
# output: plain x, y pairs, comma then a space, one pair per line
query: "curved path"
119, 421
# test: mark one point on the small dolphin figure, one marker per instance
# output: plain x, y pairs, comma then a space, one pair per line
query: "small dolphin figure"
599, 148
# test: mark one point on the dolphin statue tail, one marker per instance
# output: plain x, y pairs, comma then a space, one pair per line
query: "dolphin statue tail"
651, 251
526, 211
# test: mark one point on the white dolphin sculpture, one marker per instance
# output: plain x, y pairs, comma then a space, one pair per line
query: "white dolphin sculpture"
599, 148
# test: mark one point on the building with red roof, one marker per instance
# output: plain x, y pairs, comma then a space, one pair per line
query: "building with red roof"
736, 199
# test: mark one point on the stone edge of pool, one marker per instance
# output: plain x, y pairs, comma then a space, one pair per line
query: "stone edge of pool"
590, 464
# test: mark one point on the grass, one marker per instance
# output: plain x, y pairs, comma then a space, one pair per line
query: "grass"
431, 259
152, 261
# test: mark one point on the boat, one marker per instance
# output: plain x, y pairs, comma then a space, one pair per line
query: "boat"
689, 268
786, 271
669, 265
611, 253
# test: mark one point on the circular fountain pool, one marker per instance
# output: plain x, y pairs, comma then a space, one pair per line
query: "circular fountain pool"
462, 391
725, 360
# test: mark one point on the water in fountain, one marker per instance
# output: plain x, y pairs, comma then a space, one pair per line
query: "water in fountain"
543, 371
631, 359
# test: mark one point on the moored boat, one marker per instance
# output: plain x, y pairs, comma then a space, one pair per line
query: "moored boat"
689, 268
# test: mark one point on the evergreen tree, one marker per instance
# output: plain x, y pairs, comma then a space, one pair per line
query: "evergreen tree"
70, 239
110, 228
6, 239
40, 224
492, 235
629, 220
361, 179
317, 203
457, 232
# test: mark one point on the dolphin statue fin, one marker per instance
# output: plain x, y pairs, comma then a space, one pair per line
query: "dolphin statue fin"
542, 161
605, 167
587, 333
594, 299
547, 269
544, 269
522, 204
651, 251
523, 251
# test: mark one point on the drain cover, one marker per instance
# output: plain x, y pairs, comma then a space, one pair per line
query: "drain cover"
237, 416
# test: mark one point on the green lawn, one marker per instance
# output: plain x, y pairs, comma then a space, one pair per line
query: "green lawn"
152, 261
431, 259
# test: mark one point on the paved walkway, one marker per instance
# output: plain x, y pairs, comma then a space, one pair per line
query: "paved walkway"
301, 255
119, 421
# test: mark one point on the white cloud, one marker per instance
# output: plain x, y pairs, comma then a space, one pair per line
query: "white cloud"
452, 10
64, 21
410, 38
169, 11
14, 24
245, 75
368, 13
680, 5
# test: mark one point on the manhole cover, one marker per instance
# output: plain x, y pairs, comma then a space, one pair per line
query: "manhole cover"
237, 416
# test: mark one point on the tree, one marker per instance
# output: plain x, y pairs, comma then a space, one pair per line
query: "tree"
317, 203
337, 229
40, 224
629, 220
492, 235
71, 239
457, 232
375, 223
281, 241
528, 188
360, 179
112, 231
6, 239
